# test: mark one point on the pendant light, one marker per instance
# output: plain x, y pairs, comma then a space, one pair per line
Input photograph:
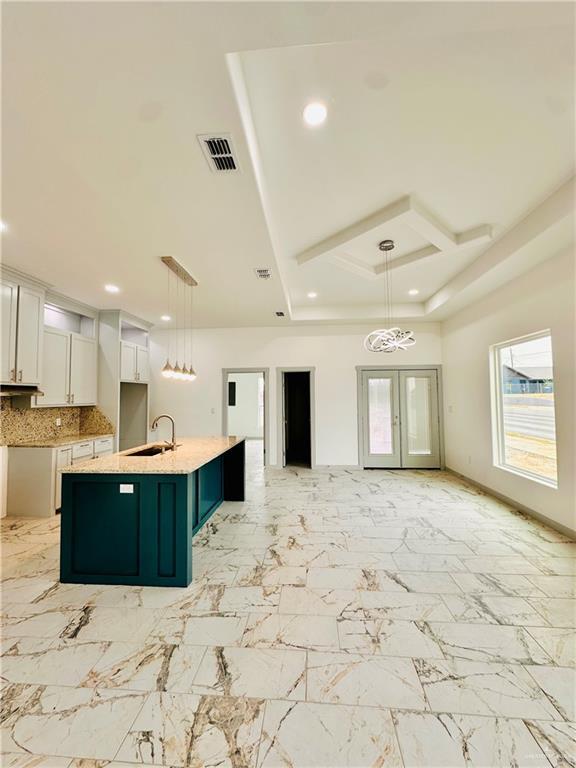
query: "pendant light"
389, 339
180, 307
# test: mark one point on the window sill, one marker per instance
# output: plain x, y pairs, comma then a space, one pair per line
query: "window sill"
527, 476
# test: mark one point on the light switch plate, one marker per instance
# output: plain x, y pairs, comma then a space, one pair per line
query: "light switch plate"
126, 488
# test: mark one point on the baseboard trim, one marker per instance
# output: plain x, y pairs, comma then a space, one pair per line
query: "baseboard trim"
526, 510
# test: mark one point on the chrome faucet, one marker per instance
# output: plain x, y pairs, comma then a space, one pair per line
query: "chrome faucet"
170, 446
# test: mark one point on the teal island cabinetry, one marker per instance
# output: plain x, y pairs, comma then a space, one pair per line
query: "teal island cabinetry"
130, 519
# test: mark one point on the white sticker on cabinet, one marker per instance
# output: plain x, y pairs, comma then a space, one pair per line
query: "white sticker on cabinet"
126, 488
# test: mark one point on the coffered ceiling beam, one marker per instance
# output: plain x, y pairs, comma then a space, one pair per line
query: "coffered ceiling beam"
555, 209
405, 211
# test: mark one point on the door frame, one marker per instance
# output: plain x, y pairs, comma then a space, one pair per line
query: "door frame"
266, 374
280, 412
360, 403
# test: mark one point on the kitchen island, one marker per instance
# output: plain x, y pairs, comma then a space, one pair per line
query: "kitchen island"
130, 519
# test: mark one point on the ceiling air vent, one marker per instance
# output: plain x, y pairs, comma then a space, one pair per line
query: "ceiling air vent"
263, 273
219, 152
279, 314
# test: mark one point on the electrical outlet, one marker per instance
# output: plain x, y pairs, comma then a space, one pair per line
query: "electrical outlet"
469, 459
58, 422
450, 409
212, 411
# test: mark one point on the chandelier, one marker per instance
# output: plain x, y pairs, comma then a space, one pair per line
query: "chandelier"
389, 339
180, 305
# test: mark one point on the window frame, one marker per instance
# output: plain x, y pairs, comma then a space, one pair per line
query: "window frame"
497, 410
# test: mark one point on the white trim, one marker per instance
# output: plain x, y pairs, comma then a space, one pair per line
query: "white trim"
508, 500
497, 413
265, 431
280, 411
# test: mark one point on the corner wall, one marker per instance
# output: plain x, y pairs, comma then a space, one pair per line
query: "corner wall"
334, 351
542, 298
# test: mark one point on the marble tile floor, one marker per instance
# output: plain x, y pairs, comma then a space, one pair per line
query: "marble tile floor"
336, 618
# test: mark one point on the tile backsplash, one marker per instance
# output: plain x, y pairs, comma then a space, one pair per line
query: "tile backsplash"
21, 425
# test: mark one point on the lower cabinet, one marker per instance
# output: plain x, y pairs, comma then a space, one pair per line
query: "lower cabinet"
136, 529
126, 529
43, 496
210, 488
63, 459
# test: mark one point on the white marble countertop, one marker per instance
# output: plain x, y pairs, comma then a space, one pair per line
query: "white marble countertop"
58, 442
191, 454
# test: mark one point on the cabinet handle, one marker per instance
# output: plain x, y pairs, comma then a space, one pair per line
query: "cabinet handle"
72, 396
19, 375
13, 374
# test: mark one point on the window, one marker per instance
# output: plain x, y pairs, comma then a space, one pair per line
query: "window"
523, 407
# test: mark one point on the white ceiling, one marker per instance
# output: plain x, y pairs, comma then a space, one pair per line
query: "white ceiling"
468, 107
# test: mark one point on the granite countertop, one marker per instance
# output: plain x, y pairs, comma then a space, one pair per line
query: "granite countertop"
191, 454
57, 442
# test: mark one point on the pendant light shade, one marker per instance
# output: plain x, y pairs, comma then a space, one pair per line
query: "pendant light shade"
391, 339
167, 371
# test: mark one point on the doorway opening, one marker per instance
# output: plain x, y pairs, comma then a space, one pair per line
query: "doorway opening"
297, 417
245, 410
400, 418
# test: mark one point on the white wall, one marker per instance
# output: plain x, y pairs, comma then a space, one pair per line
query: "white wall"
540, 299
334, 351
244, 417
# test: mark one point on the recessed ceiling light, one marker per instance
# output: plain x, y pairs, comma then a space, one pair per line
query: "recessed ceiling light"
111, 288
413, 292
314, 113
312, 295
166, 318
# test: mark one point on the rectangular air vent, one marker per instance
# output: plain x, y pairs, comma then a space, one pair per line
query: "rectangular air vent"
219, 152
263, 273
279, 314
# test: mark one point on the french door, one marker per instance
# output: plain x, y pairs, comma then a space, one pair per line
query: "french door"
400, 419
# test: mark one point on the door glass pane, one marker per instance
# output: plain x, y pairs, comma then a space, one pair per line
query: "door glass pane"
418, 415
380, 416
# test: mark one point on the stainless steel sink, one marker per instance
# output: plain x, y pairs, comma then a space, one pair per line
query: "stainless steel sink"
151, 450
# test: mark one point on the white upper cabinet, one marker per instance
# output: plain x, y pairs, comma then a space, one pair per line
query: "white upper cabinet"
142, 364
29, 336
55, 368
127, 361
133, 362
70, 368
22, 324
9, 299
83, 362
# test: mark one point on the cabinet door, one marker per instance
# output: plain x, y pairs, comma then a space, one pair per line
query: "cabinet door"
127, 361
29, 335
55, 381
142, 358
9, 299
83, 382
63, 459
